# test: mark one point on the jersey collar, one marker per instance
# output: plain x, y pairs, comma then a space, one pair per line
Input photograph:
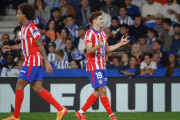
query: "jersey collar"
27, 23
95, 30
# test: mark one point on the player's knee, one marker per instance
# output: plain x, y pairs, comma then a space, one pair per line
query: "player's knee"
102, 91
37, 89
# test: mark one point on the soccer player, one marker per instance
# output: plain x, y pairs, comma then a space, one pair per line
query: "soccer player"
97, 46
33, 49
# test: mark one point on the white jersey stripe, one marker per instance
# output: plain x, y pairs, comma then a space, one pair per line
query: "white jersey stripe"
38, 59
96, 52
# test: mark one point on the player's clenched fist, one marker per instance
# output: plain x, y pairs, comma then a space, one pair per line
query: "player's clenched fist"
48, 67
101, 44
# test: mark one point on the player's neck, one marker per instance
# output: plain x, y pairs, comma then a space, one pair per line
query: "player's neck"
95, 27
25, 22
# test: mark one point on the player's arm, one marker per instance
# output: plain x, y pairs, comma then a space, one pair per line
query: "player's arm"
91, 49
122, 42
9, 48
39, 43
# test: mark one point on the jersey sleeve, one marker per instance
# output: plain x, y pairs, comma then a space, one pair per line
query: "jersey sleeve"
88, 37
34, 33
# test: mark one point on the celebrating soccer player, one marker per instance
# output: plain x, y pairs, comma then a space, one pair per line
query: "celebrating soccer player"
97, 46
32, 48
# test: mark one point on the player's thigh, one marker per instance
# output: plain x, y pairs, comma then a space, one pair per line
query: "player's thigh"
21, 84
96, 78
37, 86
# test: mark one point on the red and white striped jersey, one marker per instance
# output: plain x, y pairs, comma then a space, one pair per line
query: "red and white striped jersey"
96, 60
31, 52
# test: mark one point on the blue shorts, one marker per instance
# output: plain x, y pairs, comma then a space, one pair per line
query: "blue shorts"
35, 74
98, 78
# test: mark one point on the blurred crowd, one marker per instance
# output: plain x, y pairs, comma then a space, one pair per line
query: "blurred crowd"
153, 27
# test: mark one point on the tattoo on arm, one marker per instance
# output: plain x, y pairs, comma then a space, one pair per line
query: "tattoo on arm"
39, 43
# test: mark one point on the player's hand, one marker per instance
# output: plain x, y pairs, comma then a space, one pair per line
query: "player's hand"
48, 67
124, 40
6, 48
100, 44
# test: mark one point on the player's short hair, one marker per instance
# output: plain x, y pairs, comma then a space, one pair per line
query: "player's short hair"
28, 10
136, 16
94, 15
167, 21
114, 18
55, 9
60, 53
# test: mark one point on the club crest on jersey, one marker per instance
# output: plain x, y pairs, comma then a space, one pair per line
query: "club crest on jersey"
35, 33
103, 48
100, 81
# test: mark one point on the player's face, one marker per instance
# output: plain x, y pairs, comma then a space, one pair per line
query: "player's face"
99, 21
20, 16
123, 12
147, 60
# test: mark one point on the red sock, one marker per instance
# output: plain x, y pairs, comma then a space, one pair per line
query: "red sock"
46, 95
90, 101
106, 104
18, 102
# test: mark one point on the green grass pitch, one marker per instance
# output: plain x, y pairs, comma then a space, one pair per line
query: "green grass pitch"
101, 116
